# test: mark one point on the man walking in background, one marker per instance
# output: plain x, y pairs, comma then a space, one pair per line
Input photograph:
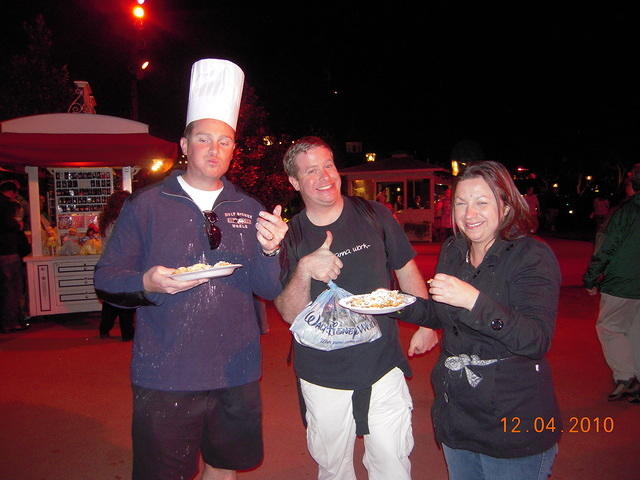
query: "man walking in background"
614, 271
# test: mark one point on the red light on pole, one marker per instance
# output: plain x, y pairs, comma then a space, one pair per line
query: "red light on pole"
139, 63
138, 12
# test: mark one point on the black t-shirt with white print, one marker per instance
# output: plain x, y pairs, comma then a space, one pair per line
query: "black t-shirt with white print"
367, 258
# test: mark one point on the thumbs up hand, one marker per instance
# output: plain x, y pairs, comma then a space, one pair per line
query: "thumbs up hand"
328, 241
323, 264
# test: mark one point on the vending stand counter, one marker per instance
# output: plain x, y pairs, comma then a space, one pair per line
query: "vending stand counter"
80, 151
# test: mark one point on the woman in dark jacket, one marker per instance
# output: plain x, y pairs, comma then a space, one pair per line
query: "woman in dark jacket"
495, 296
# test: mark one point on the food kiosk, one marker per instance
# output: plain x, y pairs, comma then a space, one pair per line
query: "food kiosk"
82, 153
410, 186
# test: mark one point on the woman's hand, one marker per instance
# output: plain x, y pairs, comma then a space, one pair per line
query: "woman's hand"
451, 290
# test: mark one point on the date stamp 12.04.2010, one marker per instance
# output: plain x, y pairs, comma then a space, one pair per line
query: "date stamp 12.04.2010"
572, 425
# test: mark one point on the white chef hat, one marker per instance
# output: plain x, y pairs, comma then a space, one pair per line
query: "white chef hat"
215, 91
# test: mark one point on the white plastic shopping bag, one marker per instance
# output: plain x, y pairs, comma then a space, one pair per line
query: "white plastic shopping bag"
325, 325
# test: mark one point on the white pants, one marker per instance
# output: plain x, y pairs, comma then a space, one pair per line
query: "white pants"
618, 328
331, 430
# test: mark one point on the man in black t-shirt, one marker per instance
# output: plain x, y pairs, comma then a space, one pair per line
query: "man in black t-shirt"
359, 390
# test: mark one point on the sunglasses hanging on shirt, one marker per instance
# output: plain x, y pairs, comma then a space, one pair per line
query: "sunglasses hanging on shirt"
213, 232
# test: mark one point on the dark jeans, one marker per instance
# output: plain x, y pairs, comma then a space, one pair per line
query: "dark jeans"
11, 291
108, 318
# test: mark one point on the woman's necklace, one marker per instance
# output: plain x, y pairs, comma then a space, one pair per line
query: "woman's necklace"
476, 265
469, 260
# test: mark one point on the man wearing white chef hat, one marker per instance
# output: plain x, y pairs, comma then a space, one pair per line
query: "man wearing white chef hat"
196, 360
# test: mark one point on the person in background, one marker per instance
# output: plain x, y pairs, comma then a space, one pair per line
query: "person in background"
14, 246
613, 271
600, 212
534, 207
19, 216
109, 313
399, 203
359, 390
629, 191
443, 216
495, 297
600, 215
23, 213
196, 351
382, 198
551, 204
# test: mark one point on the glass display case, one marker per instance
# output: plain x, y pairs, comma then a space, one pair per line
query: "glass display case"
80, 195
62, 281
73, 162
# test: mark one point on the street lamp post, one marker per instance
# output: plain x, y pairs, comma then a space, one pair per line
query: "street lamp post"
134, 97
138, 64
138, 71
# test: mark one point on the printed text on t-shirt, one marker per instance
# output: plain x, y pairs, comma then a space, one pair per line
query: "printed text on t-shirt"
356, 248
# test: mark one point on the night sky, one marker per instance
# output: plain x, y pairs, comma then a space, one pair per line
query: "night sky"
531, 83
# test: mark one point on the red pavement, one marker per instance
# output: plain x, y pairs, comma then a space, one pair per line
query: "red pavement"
66, 400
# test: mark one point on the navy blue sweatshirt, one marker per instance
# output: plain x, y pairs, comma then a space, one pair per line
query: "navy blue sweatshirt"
207, 337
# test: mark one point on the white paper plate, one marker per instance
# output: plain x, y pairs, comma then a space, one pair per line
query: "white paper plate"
345, 302
214, 272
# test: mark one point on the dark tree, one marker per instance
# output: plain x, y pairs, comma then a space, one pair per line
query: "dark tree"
30, 83
257, 162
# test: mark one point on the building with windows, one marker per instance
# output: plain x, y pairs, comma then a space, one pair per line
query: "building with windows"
411, 187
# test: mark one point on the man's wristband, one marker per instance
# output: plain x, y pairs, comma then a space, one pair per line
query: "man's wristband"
271, 254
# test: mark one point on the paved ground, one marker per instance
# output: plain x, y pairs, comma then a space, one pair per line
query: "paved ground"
65, 399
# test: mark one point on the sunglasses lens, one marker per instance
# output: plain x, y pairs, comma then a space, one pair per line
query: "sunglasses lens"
210, 216
214, 237
213, 232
